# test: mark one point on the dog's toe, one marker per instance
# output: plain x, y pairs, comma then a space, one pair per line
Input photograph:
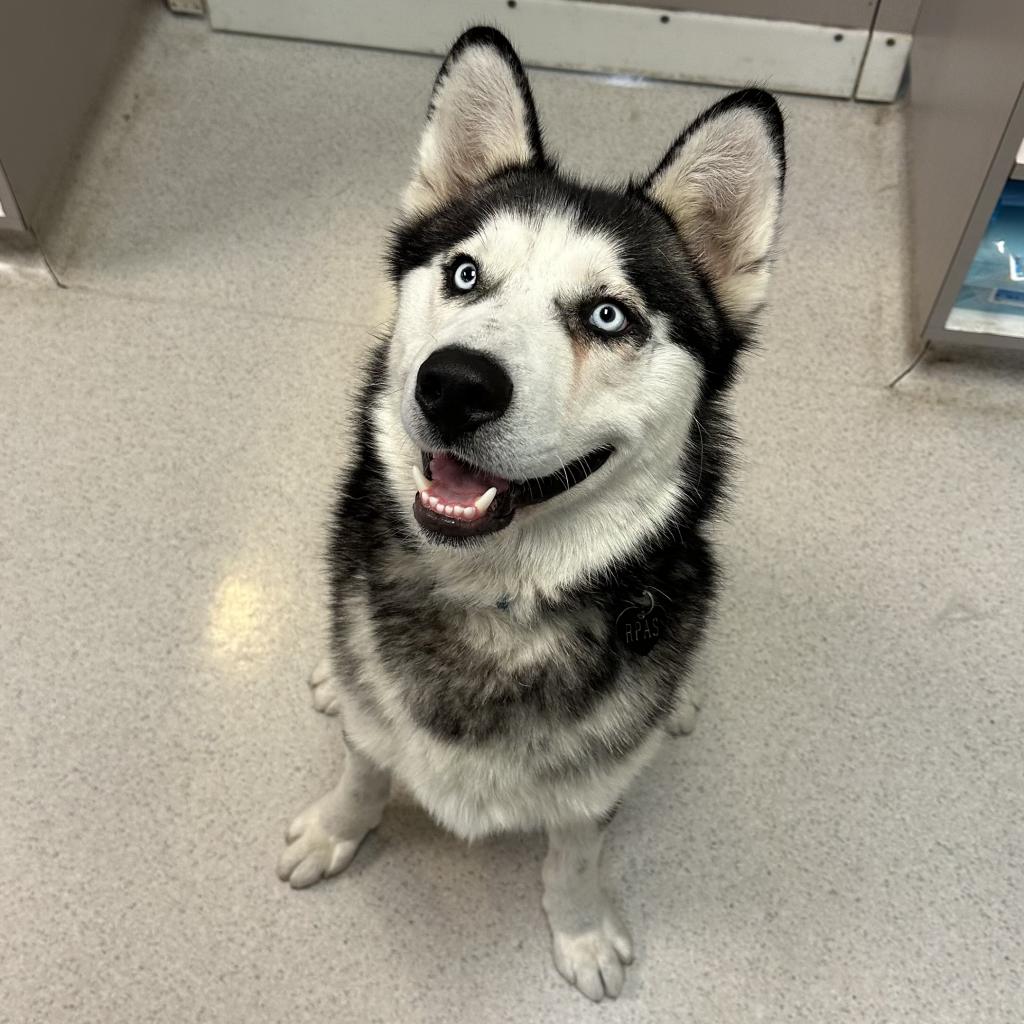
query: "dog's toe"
594, 960
324, 688
613, 974
683, 720
312, 853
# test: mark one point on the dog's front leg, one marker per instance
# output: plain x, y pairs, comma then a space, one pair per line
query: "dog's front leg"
591, 944
324, 838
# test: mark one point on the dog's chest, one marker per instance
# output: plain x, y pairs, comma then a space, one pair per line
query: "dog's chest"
495, 718
494, 724
479, 673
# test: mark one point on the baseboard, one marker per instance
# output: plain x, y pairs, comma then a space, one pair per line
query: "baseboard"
570, 34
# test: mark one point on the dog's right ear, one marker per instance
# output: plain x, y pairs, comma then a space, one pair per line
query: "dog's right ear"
481, 120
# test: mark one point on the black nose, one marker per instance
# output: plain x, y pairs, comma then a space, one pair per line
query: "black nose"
459, 390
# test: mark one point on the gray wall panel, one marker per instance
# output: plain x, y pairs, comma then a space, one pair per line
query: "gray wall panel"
55, 56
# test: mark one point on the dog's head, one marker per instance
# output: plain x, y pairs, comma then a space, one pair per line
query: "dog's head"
552, 340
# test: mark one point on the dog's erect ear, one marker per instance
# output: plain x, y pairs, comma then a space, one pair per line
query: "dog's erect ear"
721, 184
481, 120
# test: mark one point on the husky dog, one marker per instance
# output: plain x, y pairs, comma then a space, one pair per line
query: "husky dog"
519, 555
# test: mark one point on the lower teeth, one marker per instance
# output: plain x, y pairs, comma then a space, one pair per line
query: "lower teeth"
466, 513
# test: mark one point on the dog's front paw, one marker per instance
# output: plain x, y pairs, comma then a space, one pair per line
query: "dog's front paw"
325, 689
683, 719
314, 851
594, 959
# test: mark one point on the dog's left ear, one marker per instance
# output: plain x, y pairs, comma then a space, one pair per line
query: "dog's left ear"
481, 120
721, 183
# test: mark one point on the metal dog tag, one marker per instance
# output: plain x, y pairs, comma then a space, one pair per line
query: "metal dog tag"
640, 627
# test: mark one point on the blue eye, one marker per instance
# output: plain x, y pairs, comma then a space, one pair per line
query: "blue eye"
464, 276
609, 318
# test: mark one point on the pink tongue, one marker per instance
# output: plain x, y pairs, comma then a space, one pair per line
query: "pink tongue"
454, 482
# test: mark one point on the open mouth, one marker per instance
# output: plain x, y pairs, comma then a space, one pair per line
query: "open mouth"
458, 501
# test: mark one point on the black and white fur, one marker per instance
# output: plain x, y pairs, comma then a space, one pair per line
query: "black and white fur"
487, 675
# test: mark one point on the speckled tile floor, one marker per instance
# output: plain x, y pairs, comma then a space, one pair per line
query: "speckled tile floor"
841, 839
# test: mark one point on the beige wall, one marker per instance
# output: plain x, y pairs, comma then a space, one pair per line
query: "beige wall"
55, 57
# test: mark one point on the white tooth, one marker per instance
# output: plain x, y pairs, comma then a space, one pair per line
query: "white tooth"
458, 511
422, 483
448, 511
434, 503
483, 503
469, 513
